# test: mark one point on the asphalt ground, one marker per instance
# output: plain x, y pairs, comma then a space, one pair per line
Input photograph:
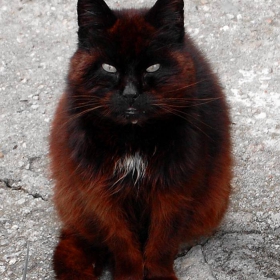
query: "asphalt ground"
242, 41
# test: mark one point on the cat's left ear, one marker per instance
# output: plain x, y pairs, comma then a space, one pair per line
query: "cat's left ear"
93, 16
95, 13
168, 17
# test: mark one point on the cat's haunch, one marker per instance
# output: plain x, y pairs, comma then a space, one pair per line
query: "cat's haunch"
140, 145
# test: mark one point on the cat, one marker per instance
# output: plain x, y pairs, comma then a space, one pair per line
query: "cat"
140, 145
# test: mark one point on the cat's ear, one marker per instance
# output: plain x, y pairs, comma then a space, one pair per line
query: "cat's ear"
95, 13
168, 16
93, 16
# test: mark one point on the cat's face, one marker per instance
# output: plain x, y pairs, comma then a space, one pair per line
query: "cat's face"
130, 66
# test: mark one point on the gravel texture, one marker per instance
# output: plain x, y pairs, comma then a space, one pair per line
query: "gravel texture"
240, 38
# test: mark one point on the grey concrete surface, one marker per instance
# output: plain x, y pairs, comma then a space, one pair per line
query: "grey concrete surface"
241, 39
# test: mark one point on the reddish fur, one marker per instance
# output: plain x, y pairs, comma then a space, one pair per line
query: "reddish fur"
102, 223
79, 198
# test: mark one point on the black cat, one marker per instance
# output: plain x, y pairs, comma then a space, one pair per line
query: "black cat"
140, 145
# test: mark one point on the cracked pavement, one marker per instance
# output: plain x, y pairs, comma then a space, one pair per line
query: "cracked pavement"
240, 38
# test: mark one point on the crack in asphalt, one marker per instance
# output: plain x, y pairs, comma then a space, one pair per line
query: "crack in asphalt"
204, 258
12, 184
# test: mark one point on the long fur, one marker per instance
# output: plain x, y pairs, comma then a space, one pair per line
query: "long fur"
141, 160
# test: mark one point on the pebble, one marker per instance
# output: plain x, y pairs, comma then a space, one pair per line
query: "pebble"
12, 261
230, 16
34, 106
261, 116
225, 28
21, 201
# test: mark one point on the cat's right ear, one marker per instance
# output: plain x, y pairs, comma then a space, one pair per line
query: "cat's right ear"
93, 16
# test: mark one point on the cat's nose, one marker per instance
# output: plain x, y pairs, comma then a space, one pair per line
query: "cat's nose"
130, 91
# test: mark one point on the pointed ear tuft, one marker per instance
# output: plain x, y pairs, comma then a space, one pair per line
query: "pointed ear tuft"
95, 13
94, 17
168, 16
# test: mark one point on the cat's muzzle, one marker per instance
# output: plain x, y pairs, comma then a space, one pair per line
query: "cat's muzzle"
132, 115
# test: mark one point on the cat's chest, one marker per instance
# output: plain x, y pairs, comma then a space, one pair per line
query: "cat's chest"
132, 166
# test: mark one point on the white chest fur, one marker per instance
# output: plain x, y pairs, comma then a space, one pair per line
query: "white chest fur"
131, 164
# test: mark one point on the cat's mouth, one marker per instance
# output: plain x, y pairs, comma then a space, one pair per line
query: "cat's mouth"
132, 115
131, 112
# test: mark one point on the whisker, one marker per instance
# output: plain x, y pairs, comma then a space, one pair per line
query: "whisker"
183, 115
189, 99
170, 105
87, 111
187, 86
189, 115
85, 97
193, 84
186, 106
75, 116
199, 104
84, 105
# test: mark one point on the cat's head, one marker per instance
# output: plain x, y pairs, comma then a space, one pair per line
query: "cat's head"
130, 66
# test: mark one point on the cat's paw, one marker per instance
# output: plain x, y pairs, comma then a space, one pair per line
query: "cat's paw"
74, 258
160, 271
171, 277
160, 274
128, 273
128, 277
74, 275
129, 268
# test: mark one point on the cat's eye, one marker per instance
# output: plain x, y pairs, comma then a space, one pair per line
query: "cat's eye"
109, 68
153, 68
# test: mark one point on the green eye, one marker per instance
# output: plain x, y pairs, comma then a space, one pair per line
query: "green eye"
109, 68
153, 68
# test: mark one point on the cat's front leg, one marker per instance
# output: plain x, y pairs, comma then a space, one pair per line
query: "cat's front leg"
75, 258
121, 241
160, 253
164, 237
127, 258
